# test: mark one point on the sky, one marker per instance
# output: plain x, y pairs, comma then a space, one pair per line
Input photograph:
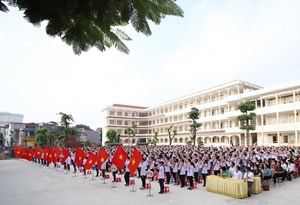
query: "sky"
257, 41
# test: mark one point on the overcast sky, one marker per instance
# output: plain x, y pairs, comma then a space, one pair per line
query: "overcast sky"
216, 42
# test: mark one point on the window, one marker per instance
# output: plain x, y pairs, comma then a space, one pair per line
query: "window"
111, 122
119, 122
126, 123
126, 114
285, 139
275, 139
119, 113
111, 112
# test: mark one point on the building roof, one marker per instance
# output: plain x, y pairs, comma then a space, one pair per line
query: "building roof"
129, 106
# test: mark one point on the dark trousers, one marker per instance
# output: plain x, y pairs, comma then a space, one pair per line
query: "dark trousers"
139, 172
103, 172
126, 177
289, 175
249, 188
175, 177
74, 166
143, 178
191, 181
97, 172
196, 174
168, 177
114, 175
216, 172
182, 180
276, 175
204, 179
161, 185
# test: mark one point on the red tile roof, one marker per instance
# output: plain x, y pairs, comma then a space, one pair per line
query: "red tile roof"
129, 106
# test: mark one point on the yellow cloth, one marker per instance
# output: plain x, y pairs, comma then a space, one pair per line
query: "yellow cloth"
256, 186
227, 186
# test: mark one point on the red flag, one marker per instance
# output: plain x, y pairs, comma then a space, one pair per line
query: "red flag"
17, 151
65, 155
50, 156
102, 157
119, 157
80, 155
56, 154
24, 153
38, 152
91, 160
135, 160
46, 154
30, 154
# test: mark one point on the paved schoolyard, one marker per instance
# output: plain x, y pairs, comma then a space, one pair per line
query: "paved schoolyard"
23, 182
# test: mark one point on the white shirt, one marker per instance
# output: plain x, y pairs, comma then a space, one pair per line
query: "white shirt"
182, 169
175, 167
167, 167
68, 160
231, 171
249, 176
190, 171
204, 169
291, 167
237, 175
144, 168
126, 164
161, 172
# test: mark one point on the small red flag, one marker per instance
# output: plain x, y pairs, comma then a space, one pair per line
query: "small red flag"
24, 153
120, 157
50, 156
56, 154
17, 151
38, 152
135, 160
65, 155
91, 160
30, 154
102, 157
46, 154
80, 155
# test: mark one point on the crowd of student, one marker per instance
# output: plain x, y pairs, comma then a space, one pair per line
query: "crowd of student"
178, 164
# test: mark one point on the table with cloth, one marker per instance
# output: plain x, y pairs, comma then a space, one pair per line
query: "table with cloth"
256, 186
227, 186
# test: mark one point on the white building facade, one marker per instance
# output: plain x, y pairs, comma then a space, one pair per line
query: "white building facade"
277, 118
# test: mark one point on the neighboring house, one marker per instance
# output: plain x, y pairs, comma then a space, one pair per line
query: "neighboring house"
90, 135
27, 137
277, 118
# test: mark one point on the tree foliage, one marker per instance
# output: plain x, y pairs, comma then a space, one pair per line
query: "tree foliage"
87, 143
79, 126
112, 136
64, 131
83, 24
194, 115
154, 140
172, 132
246, 117
44, 137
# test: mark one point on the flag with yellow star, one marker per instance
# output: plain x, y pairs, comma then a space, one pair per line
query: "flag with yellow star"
79, 157
135, 160
120, 157
91, 160
38, 152
30, 154
65, 155
102, 157
56, 153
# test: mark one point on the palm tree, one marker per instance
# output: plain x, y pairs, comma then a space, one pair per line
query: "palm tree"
194, 115
86, 24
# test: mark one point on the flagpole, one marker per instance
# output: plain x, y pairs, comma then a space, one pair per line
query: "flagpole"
112, 171
133, 190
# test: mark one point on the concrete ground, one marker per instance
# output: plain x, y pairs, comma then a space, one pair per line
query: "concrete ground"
23, 182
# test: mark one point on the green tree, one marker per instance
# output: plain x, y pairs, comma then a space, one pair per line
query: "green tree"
194, 115
245, 119
172, 132
83, 24
64, 131
87, 143
112, 136
44, 137
154, 140
134, 126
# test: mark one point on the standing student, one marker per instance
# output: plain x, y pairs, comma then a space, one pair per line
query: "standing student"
161, 177
182, 172
114, 170
127, 172
196, 170
249, 178
168, 169
190, 174
68, 162
73, 161
204, 171
143, 168
175, 170
103, 168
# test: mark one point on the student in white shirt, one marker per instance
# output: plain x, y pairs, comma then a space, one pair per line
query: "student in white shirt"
237, 174
127, 172
143, 167
290, 170
182, 172
168, 170
190, 174
249, 178
204, 171
161, 177
175, 170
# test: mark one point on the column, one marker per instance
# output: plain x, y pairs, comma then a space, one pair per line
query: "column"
277, 120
